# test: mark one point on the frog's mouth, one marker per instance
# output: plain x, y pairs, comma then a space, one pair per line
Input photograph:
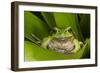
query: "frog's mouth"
61, 39
62, 44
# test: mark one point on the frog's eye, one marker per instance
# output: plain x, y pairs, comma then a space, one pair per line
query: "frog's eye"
69, 29
56, 29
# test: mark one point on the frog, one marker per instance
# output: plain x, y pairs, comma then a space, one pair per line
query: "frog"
62, 41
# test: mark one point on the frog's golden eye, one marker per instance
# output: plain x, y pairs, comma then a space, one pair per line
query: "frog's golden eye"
69, 29
56, 29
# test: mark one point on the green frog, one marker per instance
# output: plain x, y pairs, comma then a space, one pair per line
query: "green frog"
62, 41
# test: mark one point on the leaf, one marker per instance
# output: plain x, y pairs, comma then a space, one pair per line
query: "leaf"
36, 53
49, 18
64, 20
86, 53
85, 25
34, 25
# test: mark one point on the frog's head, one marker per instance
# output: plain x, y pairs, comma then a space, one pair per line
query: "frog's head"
63, 33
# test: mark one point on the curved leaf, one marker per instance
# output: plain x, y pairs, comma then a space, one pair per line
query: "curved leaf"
49, 18
85, 25
36, 53
33, 25
86, 53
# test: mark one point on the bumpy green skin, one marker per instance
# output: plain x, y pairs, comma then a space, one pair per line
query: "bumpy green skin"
63, 33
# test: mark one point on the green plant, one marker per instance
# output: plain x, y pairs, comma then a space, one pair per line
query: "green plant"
41, 24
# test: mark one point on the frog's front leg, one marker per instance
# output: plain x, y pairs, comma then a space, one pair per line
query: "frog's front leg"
46, 41
78, 45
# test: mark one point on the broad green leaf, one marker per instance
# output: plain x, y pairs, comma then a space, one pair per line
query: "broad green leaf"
34, 25
49, 18
36, 53
86, 53
85, 25
64, 20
